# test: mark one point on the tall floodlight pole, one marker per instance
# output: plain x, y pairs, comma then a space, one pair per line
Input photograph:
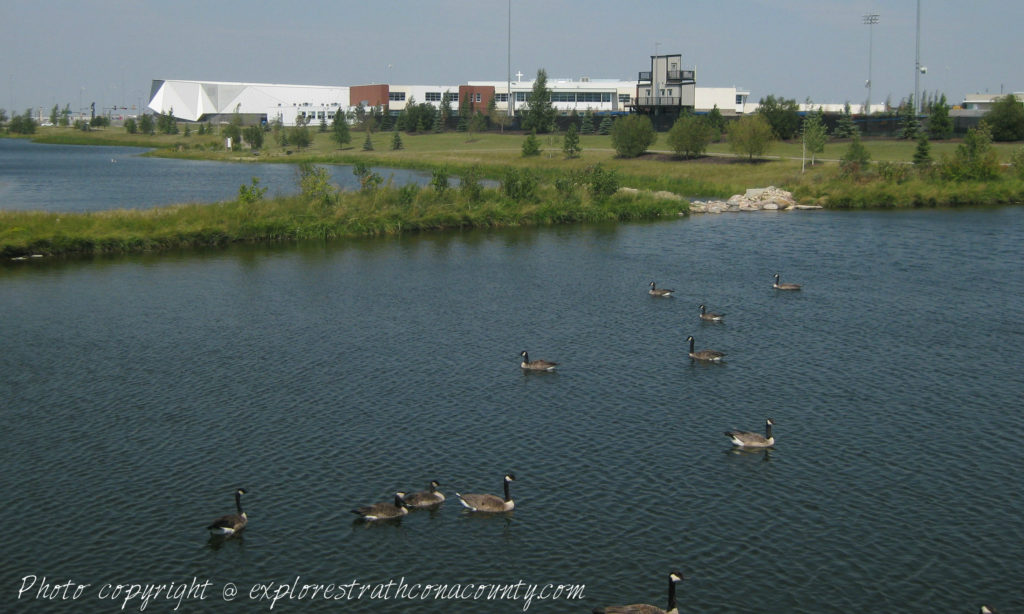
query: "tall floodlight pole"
509, 67
870, 20
917, 61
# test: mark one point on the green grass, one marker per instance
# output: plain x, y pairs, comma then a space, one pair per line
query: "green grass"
391, 210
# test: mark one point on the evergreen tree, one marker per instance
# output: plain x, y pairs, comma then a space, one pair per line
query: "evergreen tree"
845, 128
606, 126
571, 147
53, 114
339, 129
444, 111
396, 140
65, 115
587, 125
908, 119
922, 155
531, 146
856, 159
540, 113
716, 122
940, 125
323, 123
368, 143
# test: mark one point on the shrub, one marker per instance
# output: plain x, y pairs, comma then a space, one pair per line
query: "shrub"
248, 194
603, 182
895, 172
856, 159
975, 159
519, 184
439, 180
632, 135
1017, 162
469, 184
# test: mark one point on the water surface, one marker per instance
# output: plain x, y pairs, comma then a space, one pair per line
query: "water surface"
139, 391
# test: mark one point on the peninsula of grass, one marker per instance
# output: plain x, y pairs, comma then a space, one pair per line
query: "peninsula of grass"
558, 196
384, 210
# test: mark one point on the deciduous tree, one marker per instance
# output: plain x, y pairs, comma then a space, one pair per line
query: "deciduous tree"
750, 135
690, 136
632, 135
1006, 119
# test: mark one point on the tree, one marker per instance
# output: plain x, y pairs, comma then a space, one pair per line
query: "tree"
477, 123
975, 159
814, 134
130, 126
908, 119
22, 124
1006, 119
690, 136
323, 123
845, 128
782, 115
531, 147
540, 113
632, 135
299, 134
65, 116
922, 155
571, 147
716, 122
750, 135
856, 159
340, 133
605, 127
368, 143
396, 140
940, 126
253, 135
446, 109
587, 125
146, 124
53, 114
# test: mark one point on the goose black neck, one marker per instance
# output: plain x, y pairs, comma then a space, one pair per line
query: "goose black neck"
238, 502
507, 497
398, 501
768, 430
691, 345
671, 594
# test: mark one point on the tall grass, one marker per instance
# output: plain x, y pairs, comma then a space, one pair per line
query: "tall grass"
383, 211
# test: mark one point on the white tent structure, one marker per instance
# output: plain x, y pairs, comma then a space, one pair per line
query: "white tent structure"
213, 100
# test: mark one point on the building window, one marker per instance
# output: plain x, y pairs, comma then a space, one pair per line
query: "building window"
624, 97
453, 97
563, 97
520, 96
433, 96
501, 98
396, 96
739, 99
478, 96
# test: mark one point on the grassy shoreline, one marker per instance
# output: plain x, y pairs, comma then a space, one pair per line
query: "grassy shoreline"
395, 209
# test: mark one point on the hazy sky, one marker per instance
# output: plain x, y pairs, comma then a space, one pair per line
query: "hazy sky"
109, 51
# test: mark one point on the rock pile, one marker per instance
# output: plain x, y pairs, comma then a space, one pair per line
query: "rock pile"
756, 199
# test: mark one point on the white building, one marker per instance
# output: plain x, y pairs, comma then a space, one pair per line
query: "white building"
206, 100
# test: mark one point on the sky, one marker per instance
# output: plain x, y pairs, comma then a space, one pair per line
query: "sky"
75, 52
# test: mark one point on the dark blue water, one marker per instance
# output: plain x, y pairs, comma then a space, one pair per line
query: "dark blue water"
138, 392
69, 178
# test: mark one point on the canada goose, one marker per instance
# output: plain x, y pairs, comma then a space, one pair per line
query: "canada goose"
707, 355
536, 365
779, 286
986, 610
489, 503
426, 498
385, 510
643, 608
710, 316
753, 440
654, 291
229, 524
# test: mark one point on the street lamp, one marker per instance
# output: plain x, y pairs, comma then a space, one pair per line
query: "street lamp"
918, 70
870, 20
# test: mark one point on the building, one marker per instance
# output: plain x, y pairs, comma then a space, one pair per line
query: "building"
982, 103
667, 88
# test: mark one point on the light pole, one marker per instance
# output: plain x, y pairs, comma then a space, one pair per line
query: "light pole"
508, 68
870, 20
917, 61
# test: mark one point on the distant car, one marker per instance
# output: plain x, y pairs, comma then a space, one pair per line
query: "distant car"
46, 123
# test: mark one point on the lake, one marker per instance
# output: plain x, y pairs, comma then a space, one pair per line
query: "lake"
139, 391
75, 178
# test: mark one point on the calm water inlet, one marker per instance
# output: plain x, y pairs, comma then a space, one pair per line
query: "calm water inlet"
138, 392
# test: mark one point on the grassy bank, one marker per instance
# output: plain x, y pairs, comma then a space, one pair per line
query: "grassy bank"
393, 209
381, 211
